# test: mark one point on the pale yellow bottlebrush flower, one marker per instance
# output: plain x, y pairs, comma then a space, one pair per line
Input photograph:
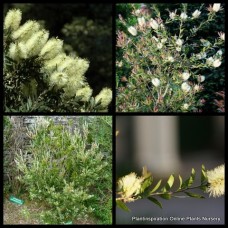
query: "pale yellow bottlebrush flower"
52, 48
105, 96
85, 92
12, 19
130, 185
25, 31
216, 181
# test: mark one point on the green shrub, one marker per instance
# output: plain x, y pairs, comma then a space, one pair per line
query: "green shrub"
59, 169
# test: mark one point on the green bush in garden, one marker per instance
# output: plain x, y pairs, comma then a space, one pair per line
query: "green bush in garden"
39, 76
61, 170
166, 62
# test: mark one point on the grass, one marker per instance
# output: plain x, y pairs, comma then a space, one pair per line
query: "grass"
29, 212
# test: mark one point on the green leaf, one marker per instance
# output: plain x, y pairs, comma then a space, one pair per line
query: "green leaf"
194, 195
189, 181
203, 175
152, 199
145, 186
122, 205
145, 173
180, 179
156, 187
166, 196
170, 182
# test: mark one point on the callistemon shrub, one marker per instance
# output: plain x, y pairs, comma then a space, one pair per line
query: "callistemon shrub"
39, 76
167, 56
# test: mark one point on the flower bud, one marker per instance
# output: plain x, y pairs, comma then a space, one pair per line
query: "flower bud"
132, 30
185, 76
216, 7
141, 21
185, 87
217, 63
154, 24
179, 42
183, 16
196, 14
156, 82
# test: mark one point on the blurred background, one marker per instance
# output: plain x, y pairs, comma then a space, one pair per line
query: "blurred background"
170, 145
86, 30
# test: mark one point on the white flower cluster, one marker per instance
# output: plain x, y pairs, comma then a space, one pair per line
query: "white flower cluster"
66, 72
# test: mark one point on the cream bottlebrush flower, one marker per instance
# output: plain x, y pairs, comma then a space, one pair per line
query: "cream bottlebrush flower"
163, 40
196, 88
52, 48
18, 51
170, 59
37, 42
141, 21
59, 79
78, 68
130, 185
105, 96
183, 16
221, 35
66, 63
216, 7
216, 180
85, 92
51, 64
179, 42
210, 61
12, 19
217, 63
159, 46
185, 106
75, 82
25, 31
154, 24
185, 87
196, 14
172, 15
178, 49
156, 82
201, 78
185, 76
132, 30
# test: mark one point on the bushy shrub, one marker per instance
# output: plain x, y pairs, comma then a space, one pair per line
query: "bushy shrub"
165, 61
60, 169
39, 76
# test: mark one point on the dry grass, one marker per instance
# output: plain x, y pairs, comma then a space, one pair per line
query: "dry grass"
21, 214
28, 213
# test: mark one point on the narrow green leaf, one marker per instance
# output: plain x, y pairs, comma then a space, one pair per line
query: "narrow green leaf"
152, 199
203, 175
189, 181
180, 179
170, 182
194, 195
166, 196
145, 173
146, 186
122, 205
193, 174
156, 187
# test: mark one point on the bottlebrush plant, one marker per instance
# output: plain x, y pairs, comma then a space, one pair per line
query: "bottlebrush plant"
39, 76
167, 60
132, 188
